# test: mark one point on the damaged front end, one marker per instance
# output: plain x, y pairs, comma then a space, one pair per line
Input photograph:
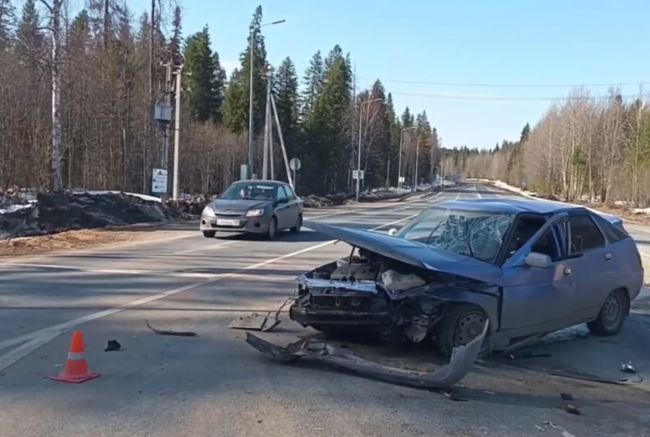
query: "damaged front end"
373, 294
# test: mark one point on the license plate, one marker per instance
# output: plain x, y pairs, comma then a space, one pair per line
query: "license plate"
227, 222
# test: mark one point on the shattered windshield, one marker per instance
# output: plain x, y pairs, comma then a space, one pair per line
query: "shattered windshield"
250, 191
475, 234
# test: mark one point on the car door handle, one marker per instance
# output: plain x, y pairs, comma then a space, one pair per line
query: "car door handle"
608, 257
567, 271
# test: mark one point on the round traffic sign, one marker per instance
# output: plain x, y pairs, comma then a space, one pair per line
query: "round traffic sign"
295, 164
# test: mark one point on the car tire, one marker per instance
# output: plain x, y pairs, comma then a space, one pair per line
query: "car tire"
273, 229
459, 326
296, 228
611, 316
209, 234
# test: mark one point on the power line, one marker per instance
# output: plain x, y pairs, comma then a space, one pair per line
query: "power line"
507, 85
505, 98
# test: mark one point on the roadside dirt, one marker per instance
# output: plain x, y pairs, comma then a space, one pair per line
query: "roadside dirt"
66, 241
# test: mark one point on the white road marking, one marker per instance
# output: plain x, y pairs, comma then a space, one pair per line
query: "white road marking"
41, 337
477, 193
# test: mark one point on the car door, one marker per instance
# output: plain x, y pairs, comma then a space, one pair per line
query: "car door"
283, 208
593, 265
537, 299
295, 206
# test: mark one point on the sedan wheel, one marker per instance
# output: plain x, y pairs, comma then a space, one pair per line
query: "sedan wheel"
611, 316
460, 325
209, 234
273, 228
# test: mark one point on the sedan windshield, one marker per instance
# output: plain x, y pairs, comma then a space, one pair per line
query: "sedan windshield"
475, 234
250, 191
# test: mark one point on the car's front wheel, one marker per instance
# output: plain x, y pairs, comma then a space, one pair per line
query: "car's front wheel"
209, 234
611, 316
462, 324
273, 228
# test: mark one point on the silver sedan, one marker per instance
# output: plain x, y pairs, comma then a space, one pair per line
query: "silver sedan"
253, 206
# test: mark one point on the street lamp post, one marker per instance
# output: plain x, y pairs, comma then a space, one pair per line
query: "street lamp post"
250, 97
399, 165
359, 151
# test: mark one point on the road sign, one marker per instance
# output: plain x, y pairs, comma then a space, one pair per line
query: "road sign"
159, 181
295, 164
401, 179
358, 174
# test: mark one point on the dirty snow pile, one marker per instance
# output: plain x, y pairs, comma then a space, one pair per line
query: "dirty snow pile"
57, 212
314, 201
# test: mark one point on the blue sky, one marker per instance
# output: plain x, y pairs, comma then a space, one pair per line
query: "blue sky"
508, 42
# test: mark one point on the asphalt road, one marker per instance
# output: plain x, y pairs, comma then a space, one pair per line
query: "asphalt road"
215, 384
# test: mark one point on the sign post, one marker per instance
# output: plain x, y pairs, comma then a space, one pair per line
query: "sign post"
159, 181
295, 164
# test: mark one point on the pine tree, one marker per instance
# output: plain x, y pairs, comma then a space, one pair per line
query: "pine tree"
407, 118
327, 134
313, 84
238, 93
285, 90
175, 41
204, 78
7, 22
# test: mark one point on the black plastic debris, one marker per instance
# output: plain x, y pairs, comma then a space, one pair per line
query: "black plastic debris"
628, 368
113, 345
566, 396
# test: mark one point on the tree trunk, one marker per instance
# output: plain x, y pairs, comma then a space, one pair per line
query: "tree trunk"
57, 133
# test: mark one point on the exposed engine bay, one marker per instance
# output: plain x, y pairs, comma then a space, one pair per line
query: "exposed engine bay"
371, 294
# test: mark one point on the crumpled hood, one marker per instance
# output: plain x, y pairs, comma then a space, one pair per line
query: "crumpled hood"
414, 253
238, 205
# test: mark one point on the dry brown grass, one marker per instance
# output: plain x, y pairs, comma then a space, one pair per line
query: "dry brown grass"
64, 241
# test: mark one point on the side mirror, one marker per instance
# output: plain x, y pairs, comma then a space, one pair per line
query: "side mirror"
539, 260
392, 232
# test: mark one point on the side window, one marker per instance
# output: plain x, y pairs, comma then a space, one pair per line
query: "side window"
290, 194
282, 194
547, 245
525, 227
585, 235
612, 233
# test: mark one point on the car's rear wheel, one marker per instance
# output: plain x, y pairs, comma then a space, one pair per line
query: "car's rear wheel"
462, 324
296, 228
611, 316
273, 228
209, 234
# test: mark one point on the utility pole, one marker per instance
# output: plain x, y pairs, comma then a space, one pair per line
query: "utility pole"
250, 104
250, 94
177, 127
417, 153
284, 150
367, 102
267, 131
399, 165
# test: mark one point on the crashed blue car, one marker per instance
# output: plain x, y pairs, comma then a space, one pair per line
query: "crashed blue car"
528, 267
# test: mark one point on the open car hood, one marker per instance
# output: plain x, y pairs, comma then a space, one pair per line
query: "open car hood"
413, 253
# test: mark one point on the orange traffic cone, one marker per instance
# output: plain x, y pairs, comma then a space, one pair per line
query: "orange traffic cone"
76, 367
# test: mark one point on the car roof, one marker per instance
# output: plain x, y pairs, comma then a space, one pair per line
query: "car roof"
260, 181
509, 205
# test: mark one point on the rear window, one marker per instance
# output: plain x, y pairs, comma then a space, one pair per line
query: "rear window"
584, 234
612, 233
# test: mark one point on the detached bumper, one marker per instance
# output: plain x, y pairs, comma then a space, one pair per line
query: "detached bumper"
255, 225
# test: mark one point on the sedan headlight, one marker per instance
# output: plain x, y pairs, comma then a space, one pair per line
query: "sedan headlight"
208, 211
254, 212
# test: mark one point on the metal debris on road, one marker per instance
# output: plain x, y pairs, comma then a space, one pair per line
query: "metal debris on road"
460, 363
113, 345
169, 332
571, 409
263, 321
